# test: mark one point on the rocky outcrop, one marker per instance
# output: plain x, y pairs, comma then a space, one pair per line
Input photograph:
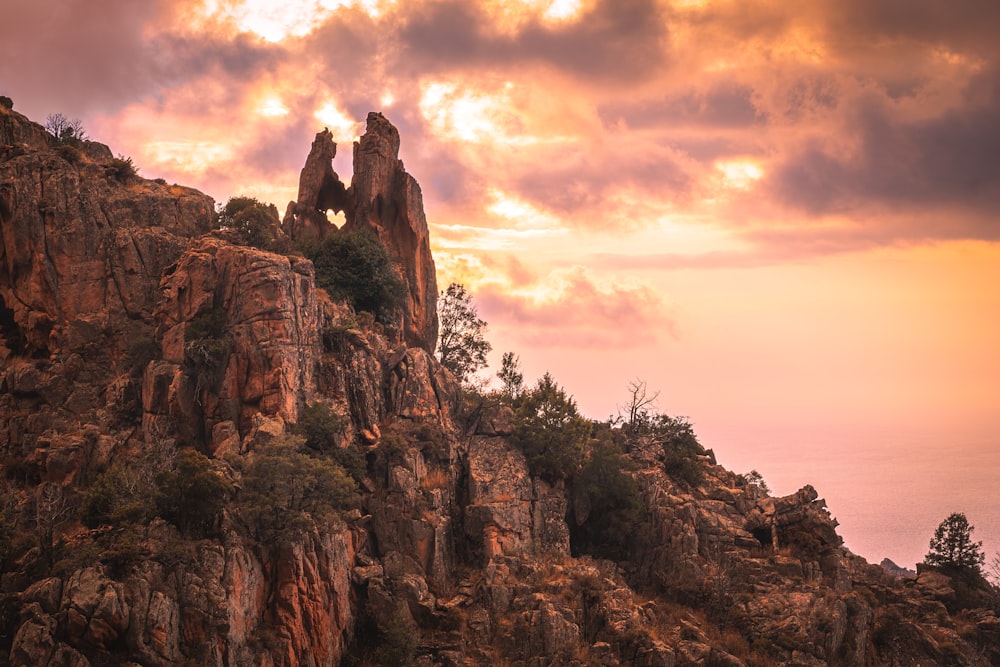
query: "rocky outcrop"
270, 342
388, 200
383, 198
128, 334
320, 190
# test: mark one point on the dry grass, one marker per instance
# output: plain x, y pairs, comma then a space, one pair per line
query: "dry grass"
435, 479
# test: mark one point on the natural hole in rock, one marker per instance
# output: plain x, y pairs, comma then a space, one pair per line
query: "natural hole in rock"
763, 536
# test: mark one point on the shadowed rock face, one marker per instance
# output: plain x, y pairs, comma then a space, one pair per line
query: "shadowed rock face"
383, 198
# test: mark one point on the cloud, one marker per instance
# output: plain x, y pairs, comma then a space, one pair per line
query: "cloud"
946, 161
615, 41
569, 309
69, 57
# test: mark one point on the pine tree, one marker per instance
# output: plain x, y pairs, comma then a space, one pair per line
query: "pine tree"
952, 545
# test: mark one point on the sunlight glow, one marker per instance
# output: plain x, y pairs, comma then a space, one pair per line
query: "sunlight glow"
188, 156
524, 215
272, 106
339, 123
473, 116
739, 174
275, 22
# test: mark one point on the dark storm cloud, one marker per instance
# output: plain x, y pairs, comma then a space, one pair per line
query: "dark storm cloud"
958, 24
948, 161
727, 104
90, 57
179, 58
80, 55
617, 41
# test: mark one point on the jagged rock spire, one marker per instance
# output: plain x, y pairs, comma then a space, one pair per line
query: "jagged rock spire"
382, 197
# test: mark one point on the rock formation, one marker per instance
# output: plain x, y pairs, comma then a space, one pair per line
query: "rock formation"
383, 198
131, 337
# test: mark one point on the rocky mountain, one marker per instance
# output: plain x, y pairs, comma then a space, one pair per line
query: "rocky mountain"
207, 460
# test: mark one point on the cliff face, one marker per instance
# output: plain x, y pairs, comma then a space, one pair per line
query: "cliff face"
454, 553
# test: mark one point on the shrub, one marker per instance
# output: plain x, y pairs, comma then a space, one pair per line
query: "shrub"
322, 428
192, 495
6, 102
550, 431
118, 496
753, 479
122, 169
206, 347
356, 267
256, 221
287, 491
681, 449
70, 153
142, 348
511, 377
612, 501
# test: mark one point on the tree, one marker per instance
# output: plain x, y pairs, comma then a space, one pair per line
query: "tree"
255, 220
993, 574
511, 376
287, 491
640, 407
550, 431
356, 267
462, 347
952, 545
192, 495
607, 503
65, 130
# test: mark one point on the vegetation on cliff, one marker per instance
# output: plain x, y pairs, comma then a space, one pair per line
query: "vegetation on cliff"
207, 461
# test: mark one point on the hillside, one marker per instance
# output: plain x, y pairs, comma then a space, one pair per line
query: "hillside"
209, 460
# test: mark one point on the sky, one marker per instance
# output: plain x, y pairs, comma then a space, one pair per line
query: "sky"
784, 217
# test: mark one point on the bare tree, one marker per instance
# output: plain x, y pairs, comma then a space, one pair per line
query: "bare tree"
51, 509
641, 403
65, 130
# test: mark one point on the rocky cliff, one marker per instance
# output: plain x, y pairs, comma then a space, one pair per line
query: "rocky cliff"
166, 500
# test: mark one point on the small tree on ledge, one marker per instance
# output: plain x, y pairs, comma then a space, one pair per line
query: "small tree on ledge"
462, 345
952, 545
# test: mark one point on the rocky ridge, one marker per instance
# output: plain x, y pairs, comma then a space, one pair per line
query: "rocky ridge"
457, 555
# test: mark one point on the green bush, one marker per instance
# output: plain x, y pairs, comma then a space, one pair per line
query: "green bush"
70, 153
286, 490
550, 431
207, 347
322, 429
681, 449
192, 495
256, 221
118, 496
612, 500
122, 169
356, 267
